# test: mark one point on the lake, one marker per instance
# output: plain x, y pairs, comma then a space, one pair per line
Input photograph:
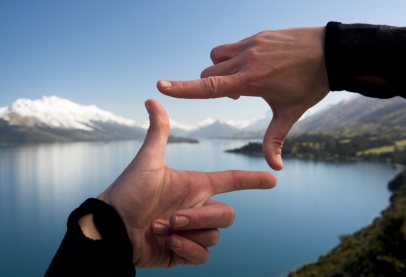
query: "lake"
275, 231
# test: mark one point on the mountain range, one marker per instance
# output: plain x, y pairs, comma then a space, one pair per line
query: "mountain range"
360, 114
52, 119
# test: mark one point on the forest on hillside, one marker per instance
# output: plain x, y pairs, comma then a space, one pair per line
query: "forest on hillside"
337, 147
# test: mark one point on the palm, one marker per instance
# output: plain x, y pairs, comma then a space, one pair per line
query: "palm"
148, 190
171, 191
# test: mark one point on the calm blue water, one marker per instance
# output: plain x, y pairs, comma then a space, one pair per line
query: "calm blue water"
274, 232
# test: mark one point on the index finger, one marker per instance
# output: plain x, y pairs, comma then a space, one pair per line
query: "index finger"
233, 180
205, 88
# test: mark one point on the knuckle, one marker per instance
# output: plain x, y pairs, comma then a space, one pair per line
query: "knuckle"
200, 258
278, 142
214, 53
211, 85
251, 54
213, 238
236, 180
262, 36
229, 215
156, 126
216, 237
274, 144
221, 53
206, 73
252, 80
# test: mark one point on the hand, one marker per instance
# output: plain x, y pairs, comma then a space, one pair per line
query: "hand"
286, 68
152, 198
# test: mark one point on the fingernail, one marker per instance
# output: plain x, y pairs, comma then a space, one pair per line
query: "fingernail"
160, 229
278, 160
176, 243
166, 84
181, 221
146, 104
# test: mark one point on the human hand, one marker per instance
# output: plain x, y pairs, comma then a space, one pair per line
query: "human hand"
286, 68
152, 199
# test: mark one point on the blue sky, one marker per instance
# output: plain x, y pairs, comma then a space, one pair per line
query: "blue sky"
112, 53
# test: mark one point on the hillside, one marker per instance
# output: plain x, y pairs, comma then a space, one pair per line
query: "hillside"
359, 129
357, 116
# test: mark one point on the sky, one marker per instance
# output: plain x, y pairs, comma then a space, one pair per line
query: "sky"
112, 53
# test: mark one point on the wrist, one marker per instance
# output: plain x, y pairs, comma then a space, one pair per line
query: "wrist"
97, 236
88, 227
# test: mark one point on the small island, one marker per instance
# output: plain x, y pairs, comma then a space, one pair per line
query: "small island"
251, 149
173, 139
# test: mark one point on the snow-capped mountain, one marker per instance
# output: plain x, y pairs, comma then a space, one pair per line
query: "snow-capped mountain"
55, 112
56, 119
215, 130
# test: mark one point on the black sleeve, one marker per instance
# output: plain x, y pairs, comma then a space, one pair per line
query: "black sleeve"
81, 256
354, 50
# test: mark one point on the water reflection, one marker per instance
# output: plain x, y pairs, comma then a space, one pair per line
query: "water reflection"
39, 187
275, 230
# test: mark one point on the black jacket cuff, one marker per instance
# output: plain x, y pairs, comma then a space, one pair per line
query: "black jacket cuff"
81, 256
354, 50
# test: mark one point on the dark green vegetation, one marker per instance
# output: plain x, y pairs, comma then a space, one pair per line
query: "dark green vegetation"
375, 251
359, 129
252, 149
345, 145
362, 128
173, 139
331, 147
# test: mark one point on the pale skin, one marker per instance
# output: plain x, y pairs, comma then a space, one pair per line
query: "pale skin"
169, 214
286, 68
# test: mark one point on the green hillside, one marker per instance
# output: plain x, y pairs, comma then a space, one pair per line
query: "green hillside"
358, 129
345, 145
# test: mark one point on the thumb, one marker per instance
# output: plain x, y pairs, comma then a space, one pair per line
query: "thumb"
153, 148
274, 138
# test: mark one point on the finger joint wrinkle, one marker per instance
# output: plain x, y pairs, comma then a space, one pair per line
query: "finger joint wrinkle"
212, 86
